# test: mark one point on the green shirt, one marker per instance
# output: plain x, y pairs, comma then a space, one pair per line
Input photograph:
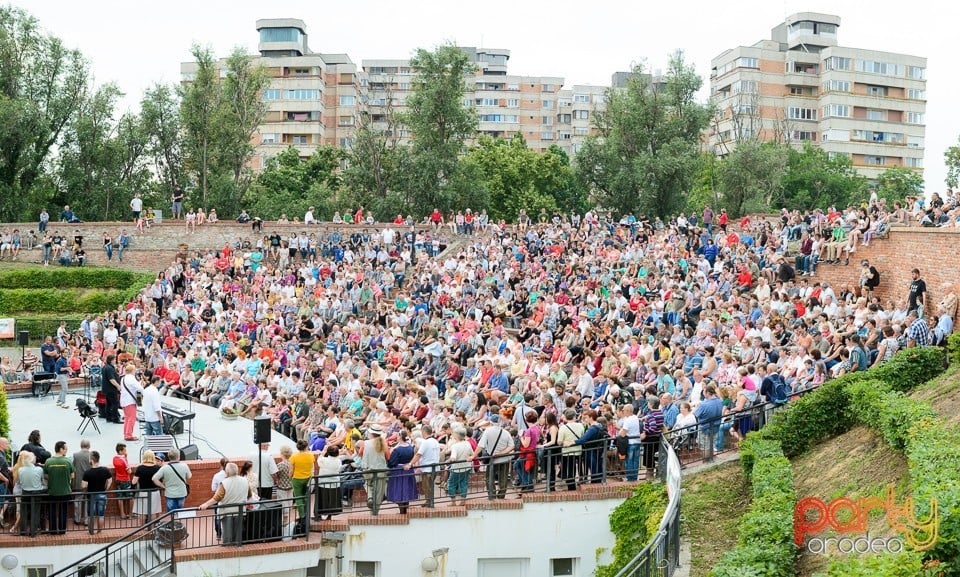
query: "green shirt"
58, 471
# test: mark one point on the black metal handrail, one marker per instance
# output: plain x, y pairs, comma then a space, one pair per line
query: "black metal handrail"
151, 546
700, 442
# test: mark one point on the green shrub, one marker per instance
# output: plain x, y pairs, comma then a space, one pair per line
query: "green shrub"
953, 347
59, 301
4, 412
904, 564
933, 455
63, 278
765, 540
634, 523
910, 368
890, 413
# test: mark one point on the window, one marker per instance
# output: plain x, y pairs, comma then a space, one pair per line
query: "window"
581, 114
513, 86
546, 136
877, 90
795, 113
875, 67
915, 141
837, 63
271, 94
513, 102
747, 62
801, 91
270, 138
547, 88
802, 68
836, 86
564, 135
301, 94
564, 118
915, 117
747, 86
503, 567
346, 143
913, 162
348, 100
302, 116
878, 136
584, 98
916, 94
835, 135
563, 567
835, 155
319, 571
916, 72
836, 111
488, 102
744, 109
547, 104
581, 131
279, 35
366, 568
498, 118
874, 114
345, 121
565, 102
804, 135
546, 120
298, 138
404, 86
300, 72
875, 160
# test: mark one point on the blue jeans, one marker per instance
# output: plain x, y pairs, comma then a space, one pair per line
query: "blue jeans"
632, 464
724, 427
109, 250
457, 483
154, 428
98, 504
174, 503
120, 248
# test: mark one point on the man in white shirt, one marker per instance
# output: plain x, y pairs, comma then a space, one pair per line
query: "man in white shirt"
267, 467
308, 217
630, 428
428, 459
152, 410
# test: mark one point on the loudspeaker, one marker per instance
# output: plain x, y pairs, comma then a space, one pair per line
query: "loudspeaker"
169, 427
189, 453
261, 430
23, 338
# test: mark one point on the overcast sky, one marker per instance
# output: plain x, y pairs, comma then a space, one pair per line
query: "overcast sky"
584, 42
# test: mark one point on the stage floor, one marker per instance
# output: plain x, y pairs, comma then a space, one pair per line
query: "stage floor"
213, 435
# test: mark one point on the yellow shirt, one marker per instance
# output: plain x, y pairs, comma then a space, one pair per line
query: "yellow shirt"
302, 465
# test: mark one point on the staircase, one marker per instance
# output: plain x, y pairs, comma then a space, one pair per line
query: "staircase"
138, 554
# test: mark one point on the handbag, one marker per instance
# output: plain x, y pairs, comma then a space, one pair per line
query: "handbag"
136, 397
179, 476
485, 457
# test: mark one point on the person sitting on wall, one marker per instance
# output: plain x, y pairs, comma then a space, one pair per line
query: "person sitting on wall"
68, 215
244, 218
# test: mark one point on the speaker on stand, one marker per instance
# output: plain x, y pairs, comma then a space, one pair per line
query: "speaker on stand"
23, 338
261, 435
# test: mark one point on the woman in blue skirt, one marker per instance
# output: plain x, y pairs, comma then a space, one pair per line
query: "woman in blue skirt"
401, 484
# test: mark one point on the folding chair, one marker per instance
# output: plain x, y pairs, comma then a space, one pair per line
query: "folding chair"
88, 416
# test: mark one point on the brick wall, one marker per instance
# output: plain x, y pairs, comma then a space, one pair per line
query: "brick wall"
932, 250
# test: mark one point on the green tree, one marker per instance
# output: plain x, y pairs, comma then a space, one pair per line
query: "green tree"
290, 185
751, 176
897, 182
440, 124
160, 114
951, 158
41, 89
199, 102
814, 179
514, 176
646, 154
102, 160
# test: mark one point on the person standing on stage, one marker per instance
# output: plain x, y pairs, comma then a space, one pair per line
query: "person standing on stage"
111, 389
129, 387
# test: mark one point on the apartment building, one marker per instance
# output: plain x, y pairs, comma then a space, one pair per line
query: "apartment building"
316, 98
801, 86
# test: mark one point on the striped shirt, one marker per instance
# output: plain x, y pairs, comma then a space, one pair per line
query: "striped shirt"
653, 422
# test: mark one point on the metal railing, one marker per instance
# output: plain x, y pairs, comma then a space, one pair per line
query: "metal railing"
702, 442
150, 546
74, 513
514, 474
661, 556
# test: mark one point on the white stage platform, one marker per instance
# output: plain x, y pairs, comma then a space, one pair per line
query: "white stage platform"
213, 435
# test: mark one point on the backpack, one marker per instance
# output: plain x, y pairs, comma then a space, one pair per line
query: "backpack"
781, 390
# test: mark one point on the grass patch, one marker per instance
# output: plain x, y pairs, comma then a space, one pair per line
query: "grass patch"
858, 463
713, 502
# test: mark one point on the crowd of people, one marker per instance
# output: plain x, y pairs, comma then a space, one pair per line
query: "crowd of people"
554, 349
